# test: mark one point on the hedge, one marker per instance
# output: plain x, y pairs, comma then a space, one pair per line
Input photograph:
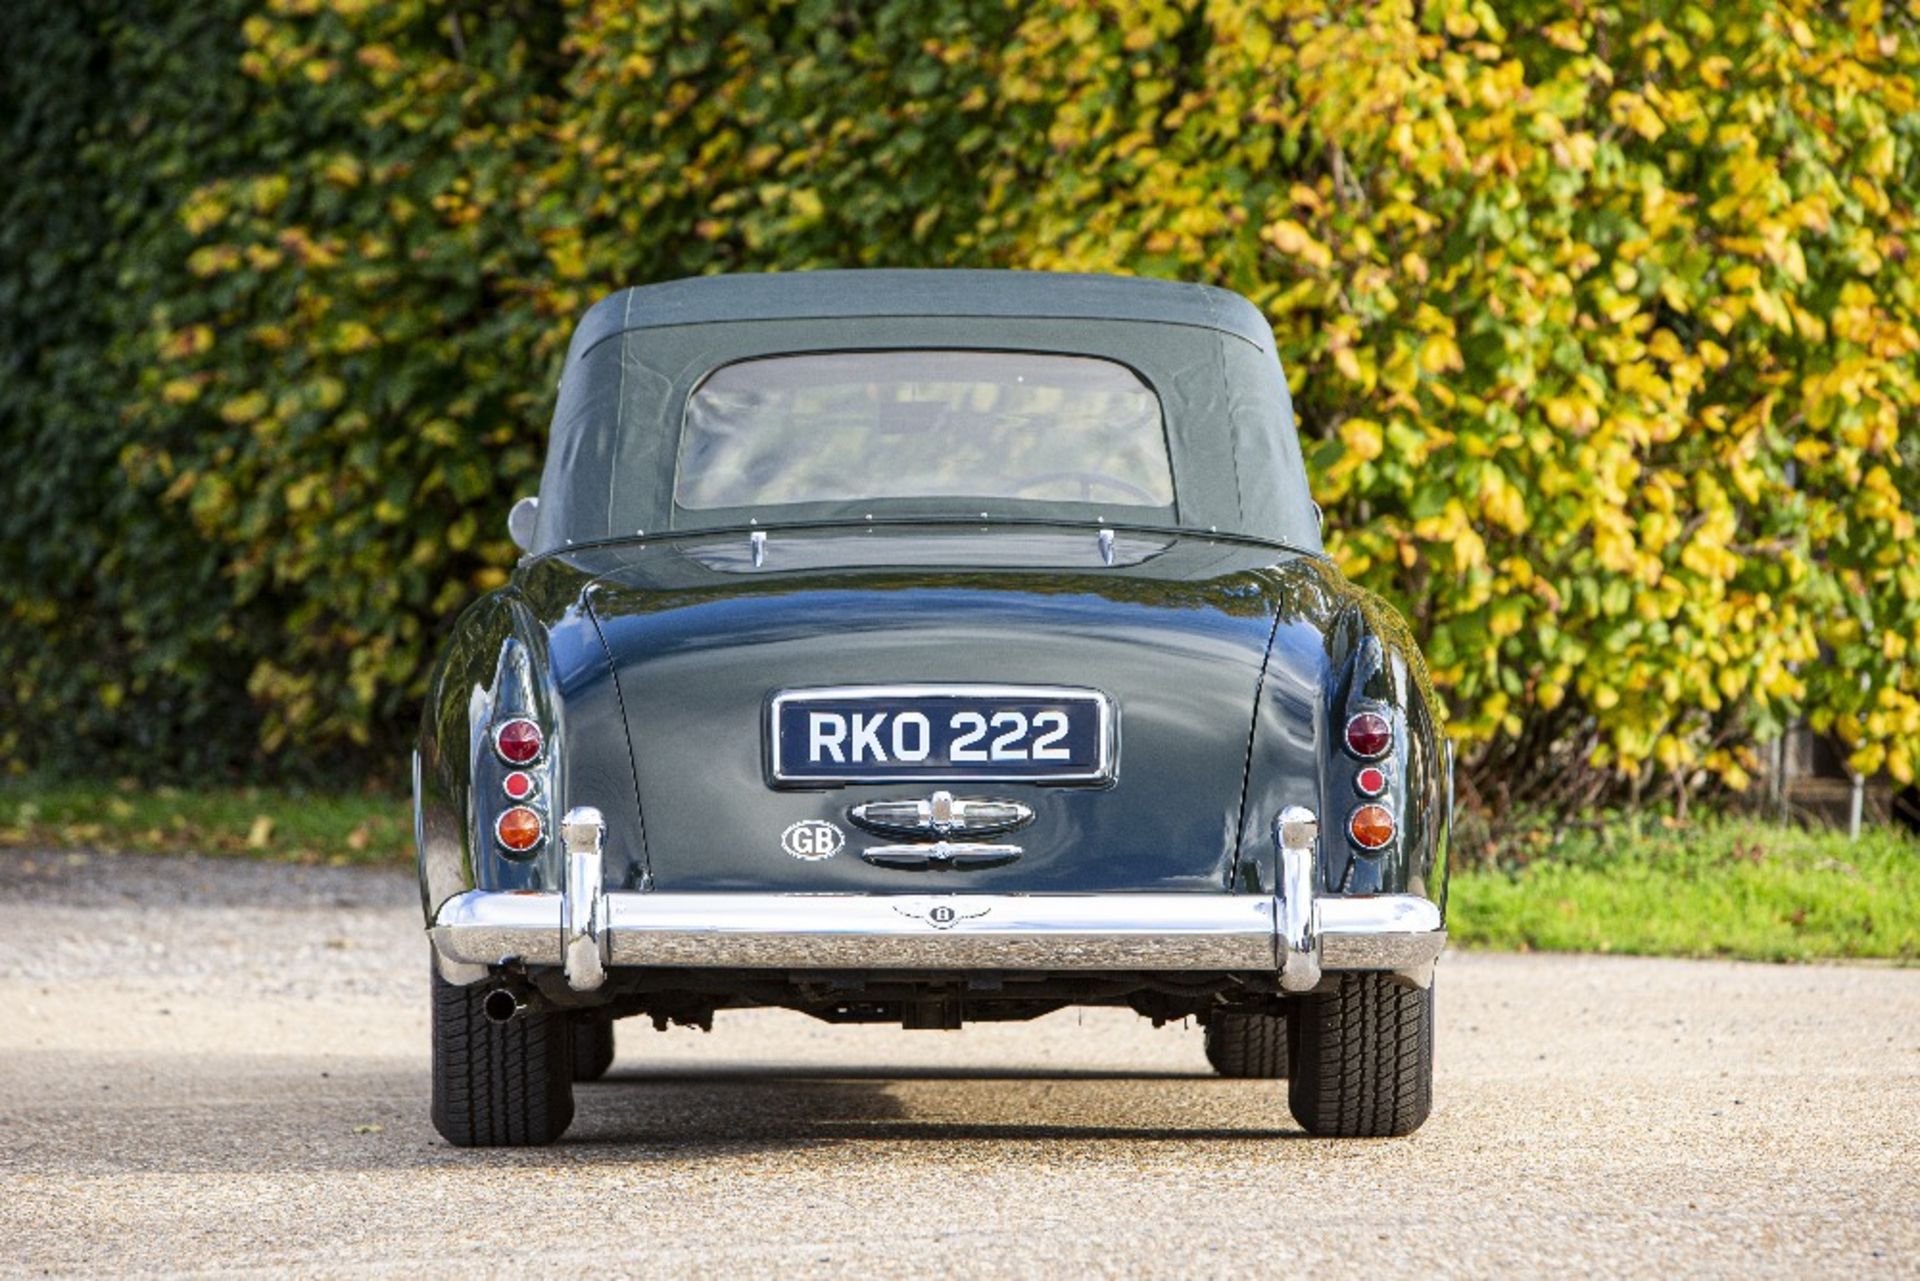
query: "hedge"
1601, 320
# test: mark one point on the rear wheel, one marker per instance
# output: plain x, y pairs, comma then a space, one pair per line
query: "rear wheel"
592, 1046
498, 1084
1362, 1058
1248, 1045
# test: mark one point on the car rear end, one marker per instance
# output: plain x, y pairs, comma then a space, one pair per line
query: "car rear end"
1082, 747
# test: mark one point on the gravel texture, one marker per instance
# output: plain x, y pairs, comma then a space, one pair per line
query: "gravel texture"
215, 1067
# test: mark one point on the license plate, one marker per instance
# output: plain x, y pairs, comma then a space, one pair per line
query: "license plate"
958, 733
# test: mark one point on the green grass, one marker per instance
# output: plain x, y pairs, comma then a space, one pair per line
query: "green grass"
306, 827
1712, 888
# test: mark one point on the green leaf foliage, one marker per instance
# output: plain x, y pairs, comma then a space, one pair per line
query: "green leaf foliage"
1601, 322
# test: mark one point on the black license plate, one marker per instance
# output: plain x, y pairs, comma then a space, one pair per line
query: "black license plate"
871, 734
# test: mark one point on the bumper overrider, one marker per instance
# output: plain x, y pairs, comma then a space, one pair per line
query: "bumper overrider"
586, 930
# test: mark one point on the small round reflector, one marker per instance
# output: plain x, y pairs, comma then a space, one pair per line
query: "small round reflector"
517, 785
518, 829
517, 741
1370, 781
1371, 826
1368, 734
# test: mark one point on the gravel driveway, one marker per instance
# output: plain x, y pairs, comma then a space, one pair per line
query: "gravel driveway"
220, 1067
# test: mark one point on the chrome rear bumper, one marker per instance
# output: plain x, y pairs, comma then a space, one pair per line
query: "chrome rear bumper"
589, 931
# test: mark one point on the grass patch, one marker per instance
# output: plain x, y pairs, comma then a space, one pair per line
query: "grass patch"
1717, 888
306, 827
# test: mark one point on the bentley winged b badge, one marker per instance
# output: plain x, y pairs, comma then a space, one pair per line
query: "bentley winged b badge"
942, 916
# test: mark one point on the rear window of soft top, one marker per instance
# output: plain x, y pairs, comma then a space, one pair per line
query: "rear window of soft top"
901, 425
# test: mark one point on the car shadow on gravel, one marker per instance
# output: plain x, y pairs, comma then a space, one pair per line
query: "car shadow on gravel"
918, 1072
688, 1113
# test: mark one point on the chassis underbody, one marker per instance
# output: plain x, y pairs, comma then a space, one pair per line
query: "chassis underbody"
912, 999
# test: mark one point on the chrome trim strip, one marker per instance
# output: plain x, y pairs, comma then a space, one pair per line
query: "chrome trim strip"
583, 947
1107, 730
1297, 832
942, 855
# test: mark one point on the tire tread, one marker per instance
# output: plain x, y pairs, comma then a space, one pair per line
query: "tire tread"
498, 1085
1248, 1046
592, 1047
1362, 1058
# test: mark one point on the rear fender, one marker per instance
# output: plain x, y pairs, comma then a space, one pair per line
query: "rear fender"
443, 756
1336, 652
1384, 674
502, 663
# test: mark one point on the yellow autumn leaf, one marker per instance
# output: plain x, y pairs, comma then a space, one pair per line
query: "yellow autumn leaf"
1362, 438
1295, 241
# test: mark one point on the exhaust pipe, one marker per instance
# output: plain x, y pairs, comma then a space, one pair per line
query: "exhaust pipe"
502, 1005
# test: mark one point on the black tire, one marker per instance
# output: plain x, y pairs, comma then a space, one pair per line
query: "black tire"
592, 1046
1362, 1058
498, 1084
1248, 1045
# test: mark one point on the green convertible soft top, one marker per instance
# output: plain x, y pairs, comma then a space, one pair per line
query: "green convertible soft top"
639, 354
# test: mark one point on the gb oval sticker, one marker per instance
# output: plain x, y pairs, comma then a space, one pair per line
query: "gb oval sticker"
812, 839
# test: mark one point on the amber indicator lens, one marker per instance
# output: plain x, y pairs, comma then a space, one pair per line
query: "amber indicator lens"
518, 785
1368, 734
518, 741
1370, 781
1371, 826
518, 829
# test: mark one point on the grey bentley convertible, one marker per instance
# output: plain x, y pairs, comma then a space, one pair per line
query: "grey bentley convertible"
925, 647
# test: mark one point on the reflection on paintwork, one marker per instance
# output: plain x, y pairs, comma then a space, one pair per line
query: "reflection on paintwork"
1230, 663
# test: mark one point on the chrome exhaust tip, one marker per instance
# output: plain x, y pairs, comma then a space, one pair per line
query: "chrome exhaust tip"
502, 1006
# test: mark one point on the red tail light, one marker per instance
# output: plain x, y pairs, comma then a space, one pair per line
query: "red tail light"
518, 785
1368, 735
518, 741
519, 829
1371, 826
1370, 781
